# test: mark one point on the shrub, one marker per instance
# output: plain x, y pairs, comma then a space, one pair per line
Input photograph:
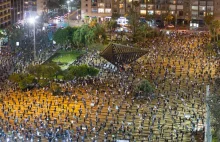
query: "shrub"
144, 88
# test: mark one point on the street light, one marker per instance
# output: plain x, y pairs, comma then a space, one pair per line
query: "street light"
68, 2
32, 20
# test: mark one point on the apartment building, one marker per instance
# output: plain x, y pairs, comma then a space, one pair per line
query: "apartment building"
217, 9
183, 11
30, 8
41, 6
199, 9
5, 13
17, 10
96, 8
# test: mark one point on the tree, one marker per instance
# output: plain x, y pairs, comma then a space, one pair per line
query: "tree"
133, 18
55, 88
43, 82
65, 36
115, 16
88, 34
48, 71
111, 26
14, 34
169, 17
144, 88
79, 35
23, 80
149, 17
215, 26
80, 71
93, 71
61, 36
143, 31
2, 34
15, 77
208, 19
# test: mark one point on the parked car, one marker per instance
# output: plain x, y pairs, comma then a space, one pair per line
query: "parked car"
170, 26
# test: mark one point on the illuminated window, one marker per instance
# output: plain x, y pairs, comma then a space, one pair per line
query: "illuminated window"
194, 7
158, 12
101, 10
202, 8
143, 5
150, 7
121, 5
172, 7
101, 5
107, 10
151, 12
143, 12
179, 7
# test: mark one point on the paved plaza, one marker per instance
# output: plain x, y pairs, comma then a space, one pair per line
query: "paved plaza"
104, 109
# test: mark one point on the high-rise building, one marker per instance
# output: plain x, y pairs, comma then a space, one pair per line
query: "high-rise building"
17, 11
217, 9
98, 8
34, 7
199, 9
182, 10
5, 13
30, 8
41, 6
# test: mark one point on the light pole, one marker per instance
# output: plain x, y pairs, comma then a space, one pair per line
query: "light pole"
33, 21
68, 2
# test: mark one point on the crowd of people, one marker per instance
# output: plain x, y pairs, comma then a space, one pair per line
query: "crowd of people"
104, 108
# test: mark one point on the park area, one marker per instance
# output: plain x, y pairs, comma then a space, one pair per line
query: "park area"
64, 58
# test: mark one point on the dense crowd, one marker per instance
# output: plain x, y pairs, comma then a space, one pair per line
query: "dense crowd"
104, 108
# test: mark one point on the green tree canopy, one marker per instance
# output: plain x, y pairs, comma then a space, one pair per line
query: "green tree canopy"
15, 77
80, 71
144, 88
45, 70
88, 34
2, 34
55, 88
208, 19
23, 80
61, 36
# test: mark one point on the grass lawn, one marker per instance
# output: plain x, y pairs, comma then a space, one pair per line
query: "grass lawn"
65, 58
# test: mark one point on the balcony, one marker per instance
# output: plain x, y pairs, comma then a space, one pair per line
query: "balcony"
4, 3
171, 2
5, 15
179, 2
151, 1
3, 9
210, 3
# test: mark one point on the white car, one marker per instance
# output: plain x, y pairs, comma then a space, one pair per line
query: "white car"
170, 26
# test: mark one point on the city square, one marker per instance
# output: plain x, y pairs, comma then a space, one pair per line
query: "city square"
94, 80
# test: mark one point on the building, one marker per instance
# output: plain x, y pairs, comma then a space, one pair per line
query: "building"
5, 13
17, 10
217, 9
183, 11
199, 9
96, 8
30, 8
41, 6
